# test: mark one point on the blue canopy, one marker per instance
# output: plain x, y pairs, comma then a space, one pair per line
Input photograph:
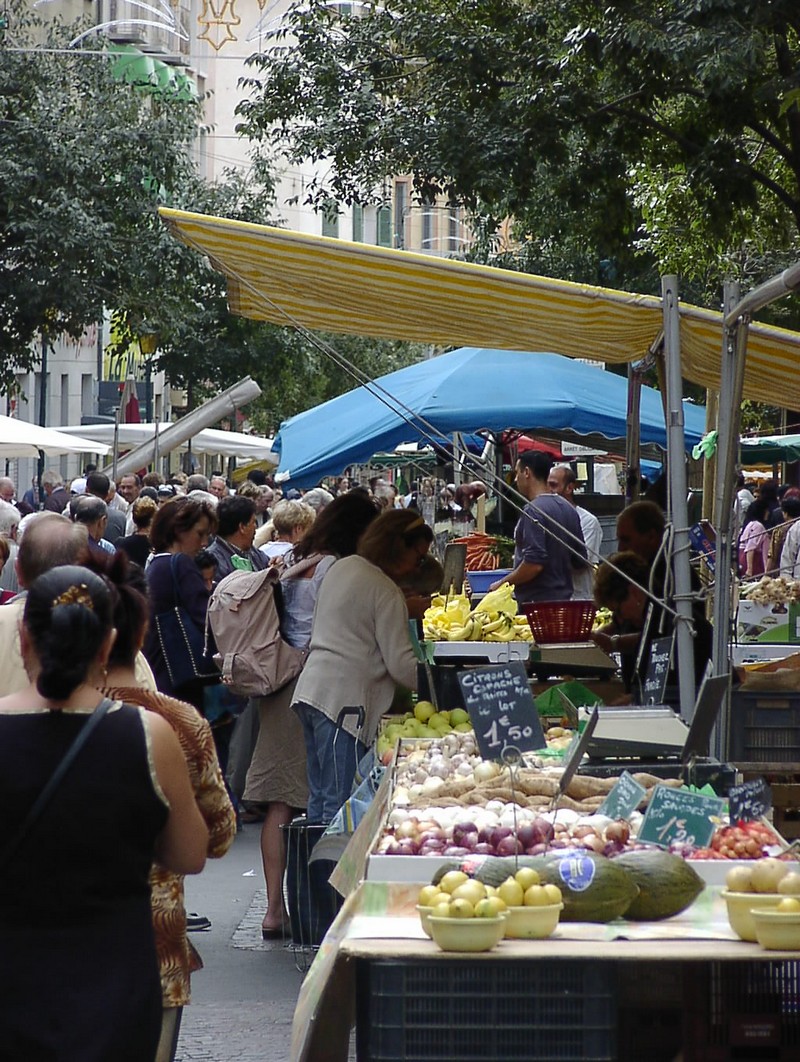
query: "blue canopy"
469, 390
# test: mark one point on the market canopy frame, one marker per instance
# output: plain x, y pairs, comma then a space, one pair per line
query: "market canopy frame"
296, 279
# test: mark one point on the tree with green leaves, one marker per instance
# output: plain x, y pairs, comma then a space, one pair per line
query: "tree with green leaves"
624, 138
84, 158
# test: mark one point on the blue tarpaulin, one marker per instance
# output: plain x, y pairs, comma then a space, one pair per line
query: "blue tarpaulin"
469, 390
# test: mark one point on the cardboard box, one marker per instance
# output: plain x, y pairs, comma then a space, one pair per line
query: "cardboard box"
768, 623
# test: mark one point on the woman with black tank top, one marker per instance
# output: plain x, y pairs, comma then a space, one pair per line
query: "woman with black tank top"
79, 975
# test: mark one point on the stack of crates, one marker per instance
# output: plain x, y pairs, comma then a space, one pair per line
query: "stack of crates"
486, 1010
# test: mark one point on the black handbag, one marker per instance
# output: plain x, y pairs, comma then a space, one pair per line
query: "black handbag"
182, 643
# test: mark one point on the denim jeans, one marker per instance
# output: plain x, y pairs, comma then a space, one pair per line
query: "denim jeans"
332, 755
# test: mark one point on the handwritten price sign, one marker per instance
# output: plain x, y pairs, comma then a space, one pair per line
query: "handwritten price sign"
502, 709
676, 815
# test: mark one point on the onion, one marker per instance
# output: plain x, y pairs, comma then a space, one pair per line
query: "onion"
432, 847
537, 849
434, 834
618, 831
509, 846
406, 829
498, 834
483, 848
593, 843
485, 771
461, 828
612, 848
432, 785
579, 832
455, 850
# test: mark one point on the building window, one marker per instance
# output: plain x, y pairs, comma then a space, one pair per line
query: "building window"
330, 218
400, 211
427, 224
453, 223
384, 226
358, 223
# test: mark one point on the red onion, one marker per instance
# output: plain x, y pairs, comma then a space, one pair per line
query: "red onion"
537, 849
508, 846
485, 834
436, 833
498, 833
432, 847
464, 828
484, 848
456, 850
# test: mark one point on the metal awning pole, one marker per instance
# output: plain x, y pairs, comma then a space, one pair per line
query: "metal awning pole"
734, 348
676, 455
633, 452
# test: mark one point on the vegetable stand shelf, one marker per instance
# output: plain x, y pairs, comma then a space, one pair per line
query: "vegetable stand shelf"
579, 995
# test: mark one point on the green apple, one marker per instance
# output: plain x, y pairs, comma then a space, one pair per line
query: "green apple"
423, 710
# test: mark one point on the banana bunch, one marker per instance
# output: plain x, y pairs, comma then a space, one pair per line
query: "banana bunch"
495, 619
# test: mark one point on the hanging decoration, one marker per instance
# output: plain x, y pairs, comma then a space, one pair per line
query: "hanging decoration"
217, 17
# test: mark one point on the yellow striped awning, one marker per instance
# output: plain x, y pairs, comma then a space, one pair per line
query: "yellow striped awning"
292, 278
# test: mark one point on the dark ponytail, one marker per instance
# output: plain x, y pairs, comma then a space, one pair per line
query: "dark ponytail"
68, 614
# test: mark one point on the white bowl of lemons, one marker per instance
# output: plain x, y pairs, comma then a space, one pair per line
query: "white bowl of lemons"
462, 914
533, 908
759, 889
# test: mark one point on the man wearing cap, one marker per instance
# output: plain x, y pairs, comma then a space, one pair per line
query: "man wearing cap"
562, 480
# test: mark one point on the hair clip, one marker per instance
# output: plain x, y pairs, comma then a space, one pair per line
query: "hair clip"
75, 595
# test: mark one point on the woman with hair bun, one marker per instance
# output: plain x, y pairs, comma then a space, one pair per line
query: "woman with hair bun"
360, 650
79, 974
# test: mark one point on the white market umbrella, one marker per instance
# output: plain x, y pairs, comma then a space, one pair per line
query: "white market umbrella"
19, 438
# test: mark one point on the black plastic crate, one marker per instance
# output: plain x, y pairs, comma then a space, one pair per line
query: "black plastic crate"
486, 1010
764, 727
743, 1010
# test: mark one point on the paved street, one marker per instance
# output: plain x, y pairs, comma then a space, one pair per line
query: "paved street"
243, 1001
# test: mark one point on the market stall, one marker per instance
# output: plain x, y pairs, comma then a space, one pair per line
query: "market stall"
599, 985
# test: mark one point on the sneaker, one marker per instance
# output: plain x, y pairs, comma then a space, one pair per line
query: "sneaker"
197, 923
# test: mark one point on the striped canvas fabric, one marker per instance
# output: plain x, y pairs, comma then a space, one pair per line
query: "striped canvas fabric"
292, 278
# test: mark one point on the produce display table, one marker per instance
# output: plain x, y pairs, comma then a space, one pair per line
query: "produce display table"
580, 994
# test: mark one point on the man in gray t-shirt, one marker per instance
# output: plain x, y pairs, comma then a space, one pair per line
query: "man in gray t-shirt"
548, 539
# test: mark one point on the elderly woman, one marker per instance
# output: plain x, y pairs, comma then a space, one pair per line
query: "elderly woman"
79, 973
360, 650
290, 521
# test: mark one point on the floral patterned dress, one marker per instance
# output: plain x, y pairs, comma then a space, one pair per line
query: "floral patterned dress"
177, 959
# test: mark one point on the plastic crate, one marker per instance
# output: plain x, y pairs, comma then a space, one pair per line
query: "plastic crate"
764, 727
557, 622
479, 582
486, 1011
747, 1010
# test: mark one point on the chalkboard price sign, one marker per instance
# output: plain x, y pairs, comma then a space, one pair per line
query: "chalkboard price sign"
655, 679
677, 815
625, 797
750, 800
502, 709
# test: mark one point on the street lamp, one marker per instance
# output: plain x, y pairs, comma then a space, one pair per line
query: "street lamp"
148, 345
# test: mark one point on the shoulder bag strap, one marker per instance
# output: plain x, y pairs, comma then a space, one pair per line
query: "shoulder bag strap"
54, 781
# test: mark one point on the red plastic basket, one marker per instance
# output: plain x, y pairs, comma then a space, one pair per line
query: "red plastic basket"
556, 622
